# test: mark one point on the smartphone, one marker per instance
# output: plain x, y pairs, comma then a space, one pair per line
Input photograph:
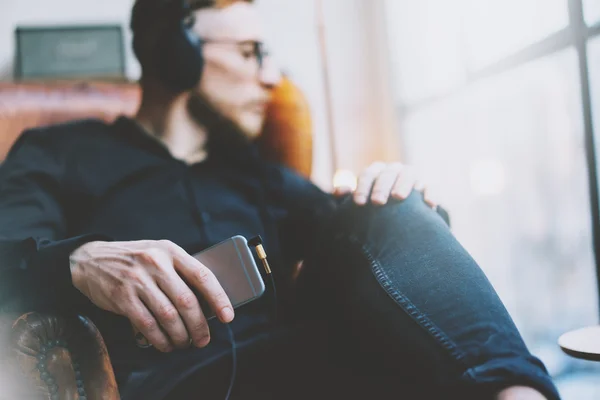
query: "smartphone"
234, 266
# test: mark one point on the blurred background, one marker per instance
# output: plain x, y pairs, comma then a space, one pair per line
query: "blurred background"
493, 101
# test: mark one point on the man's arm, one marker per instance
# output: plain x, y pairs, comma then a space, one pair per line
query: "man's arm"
34, 249
42, 268
307, 207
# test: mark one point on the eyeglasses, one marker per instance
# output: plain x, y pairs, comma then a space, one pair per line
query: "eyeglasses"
248, 48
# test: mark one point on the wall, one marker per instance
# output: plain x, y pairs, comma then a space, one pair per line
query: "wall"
362, 112
363, 107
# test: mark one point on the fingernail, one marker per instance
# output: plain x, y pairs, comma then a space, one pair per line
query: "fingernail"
141, 340
227, 314
203, 341
360, 199
379, 199
399, 194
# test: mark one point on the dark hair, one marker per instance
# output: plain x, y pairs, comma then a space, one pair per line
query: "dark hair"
151, 18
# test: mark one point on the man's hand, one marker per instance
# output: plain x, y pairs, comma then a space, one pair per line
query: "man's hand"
381, 180
142, 280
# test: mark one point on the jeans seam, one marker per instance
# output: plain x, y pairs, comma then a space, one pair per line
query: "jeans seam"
412, 310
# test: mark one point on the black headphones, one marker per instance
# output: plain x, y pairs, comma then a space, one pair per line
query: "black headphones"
179, 61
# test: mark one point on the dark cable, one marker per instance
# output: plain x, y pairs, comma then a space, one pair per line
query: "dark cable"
255, 242
274, 295
233, 342
233, 361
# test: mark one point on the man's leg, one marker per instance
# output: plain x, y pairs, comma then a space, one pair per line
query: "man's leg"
403, 298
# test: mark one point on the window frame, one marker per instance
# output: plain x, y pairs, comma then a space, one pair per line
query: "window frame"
577, 34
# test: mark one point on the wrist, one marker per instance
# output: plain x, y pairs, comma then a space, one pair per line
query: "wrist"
76, 257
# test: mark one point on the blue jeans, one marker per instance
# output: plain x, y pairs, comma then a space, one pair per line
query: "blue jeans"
405, 299
391, 306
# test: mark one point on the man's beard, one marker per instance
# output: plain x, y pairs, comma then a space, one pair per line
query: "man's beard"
221, 130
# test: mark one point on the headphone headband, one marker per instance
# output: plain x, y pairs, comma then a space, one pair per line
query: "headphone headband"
177, 54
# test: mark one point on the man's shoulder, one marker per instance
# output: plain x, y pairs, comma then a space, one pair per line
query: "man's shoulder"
60, 137
68, 130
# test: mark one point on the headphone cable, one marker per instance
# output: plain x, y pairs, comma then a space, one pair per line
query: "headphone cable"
255, 242
233, 361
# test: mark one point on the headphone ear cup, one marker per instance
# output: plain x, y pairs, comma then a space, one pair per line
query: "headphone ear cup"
180, 62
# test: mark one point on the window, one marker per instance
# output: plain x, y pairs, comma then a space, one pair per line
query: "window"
592, 11
494, 116
514, 178
425, 39
594, 68
497, 28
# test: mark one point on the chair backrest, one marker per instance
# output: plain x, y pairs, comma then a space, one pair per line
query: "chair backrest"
287, 135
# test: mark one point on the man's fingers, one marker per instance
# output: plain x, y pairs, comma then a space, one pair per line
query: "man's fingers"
158, 262
211, 291
145, 323
166, 314
420, 186
385, 182
404, 185
366, 181
187, 304
203, 280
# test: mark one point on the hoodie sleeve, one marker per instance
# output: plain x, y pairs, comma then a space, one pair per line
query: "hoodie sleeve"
34, 249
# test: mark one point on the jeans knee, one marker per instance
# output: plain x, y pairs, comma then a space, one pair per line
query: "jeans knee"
396, 217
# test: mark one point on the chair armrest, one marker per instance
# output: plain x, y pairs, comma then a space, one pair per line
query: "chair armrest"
62, 357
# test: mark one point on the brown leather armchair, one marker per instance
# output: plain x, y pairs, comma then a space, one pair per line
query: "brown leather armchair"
58, 357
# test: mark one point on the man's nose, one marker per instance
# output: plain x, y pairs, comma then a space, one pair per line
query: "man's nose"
270, 73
